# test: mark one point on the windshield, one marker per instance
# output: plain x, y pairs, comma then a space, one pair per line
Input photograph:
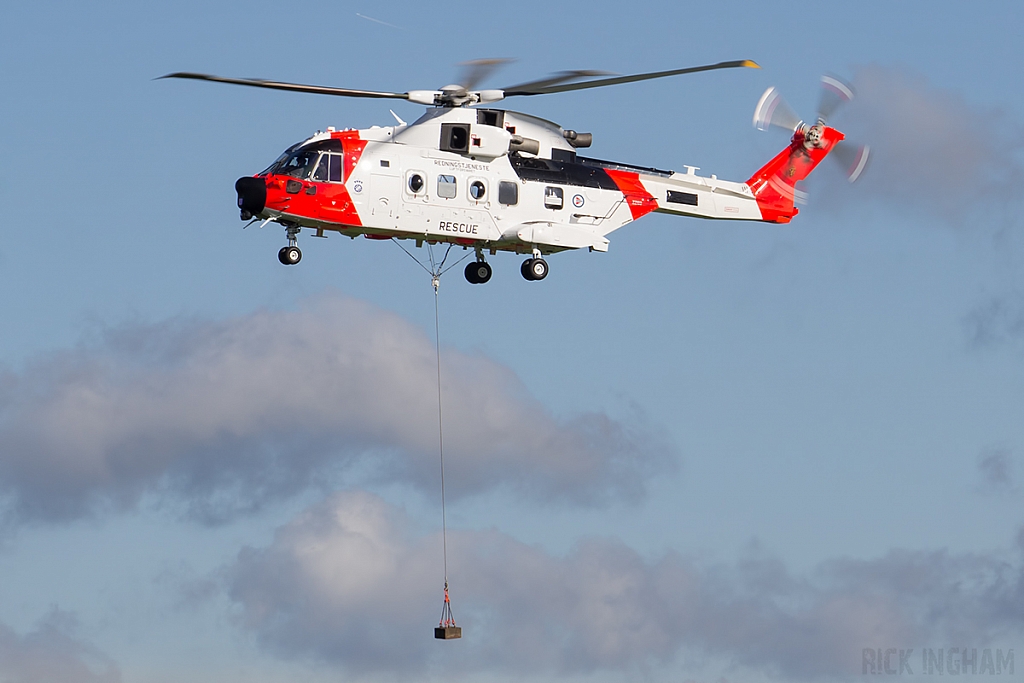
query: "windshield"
296, 164
284, 155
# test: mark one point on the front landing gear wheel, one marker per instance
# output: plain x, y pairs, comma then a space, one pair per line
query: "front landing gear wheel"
478, 272
534, 269
289, 256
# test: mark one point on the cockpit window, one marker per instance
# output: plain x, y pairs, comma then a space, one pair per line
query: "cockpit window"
284, 155
322, 170
298, 164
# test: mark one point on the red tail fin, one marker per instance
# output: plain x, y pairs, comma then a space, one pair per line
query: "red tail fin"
774, 185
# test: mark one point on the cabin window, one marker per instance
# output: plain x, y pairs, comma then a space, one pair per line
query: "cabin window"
553, 197
508, 193
446, 187
335, 170
477, 190
416, 182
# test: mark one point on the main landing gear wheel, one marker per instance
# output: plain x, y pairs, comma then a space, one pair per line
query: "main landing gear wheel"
289, 256
534, 269
478, 272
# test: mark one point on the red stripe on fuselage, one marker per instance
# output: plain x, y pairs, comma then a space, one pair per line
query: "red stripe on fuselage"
353, 147
639, 200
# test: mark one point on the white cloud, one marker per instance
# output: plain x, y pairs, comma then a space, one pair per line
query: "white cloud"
52, 654
347, 584
228, 415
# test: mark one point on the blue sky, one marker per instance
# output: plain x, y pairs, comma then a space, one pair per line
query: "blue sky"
717, 452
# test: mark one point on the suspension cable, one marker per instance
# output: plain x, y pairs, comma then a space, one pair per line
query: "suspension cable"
435, 269
446, 628
446, 625
440, 427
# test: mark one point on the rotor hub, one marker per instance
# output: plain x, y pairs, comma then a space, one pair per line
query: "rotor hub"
813, 136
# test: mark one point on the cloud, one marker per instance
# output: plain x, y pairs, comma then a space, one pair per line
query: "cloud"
932, 150
998, 320
995, 466
227, 415
52, 654
348, 584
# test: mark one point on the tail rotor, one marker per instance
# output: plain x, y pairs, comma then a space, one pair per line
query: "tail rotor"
853, 159
773, 111
834, 94
777, 185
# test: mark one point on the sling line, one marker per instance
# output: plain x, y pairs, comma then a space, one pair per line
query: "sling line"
446, 628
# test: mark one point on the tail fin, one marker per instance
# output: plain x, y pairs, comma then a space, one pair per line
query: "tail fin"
775, 184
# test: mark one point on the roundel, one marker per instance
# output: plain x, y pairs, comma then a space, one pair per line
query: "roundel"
577, 201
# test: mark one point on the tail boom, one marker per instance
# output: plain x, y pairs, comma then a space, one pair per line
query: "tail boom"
769, 195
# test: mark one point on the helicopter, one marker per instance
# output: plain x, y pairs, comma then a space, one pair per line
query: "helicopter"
471, 175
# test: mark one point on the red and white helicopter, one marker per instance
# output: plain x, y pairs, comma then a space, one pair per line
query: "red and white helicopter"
495, 180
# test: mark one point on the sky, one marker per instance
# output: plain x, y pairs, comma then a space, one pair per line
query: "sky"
720, 452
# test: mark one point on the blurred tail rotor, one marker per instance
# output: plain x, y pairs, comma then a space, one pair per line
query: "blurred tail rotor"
773, 111
778, 185
853, 159
834, 93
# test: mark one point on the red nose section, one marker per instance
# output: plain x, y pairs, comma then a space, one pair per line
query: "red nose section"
774, 185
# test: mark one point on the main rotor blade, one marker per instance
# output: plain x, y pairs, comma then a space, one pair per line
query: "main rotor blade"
292, 87
530, 89
476, 70
559, 77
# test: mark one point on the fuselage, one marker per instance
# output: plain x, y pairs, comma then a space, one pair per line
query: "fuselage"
489, 179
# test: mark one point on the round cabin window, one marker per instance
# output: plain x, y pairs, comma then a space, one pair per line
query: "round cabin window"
477, 190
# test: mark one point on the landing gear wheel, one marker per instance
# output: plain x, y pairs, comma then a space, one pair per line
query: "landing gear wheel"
289, 256
478, 272
534, 269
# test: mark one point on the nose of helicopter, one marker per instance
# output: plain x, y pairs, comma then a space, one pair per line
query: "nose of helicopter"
252, 195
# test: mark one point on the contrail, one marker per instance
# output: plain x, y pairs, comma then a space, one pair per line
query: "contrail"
378, 21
